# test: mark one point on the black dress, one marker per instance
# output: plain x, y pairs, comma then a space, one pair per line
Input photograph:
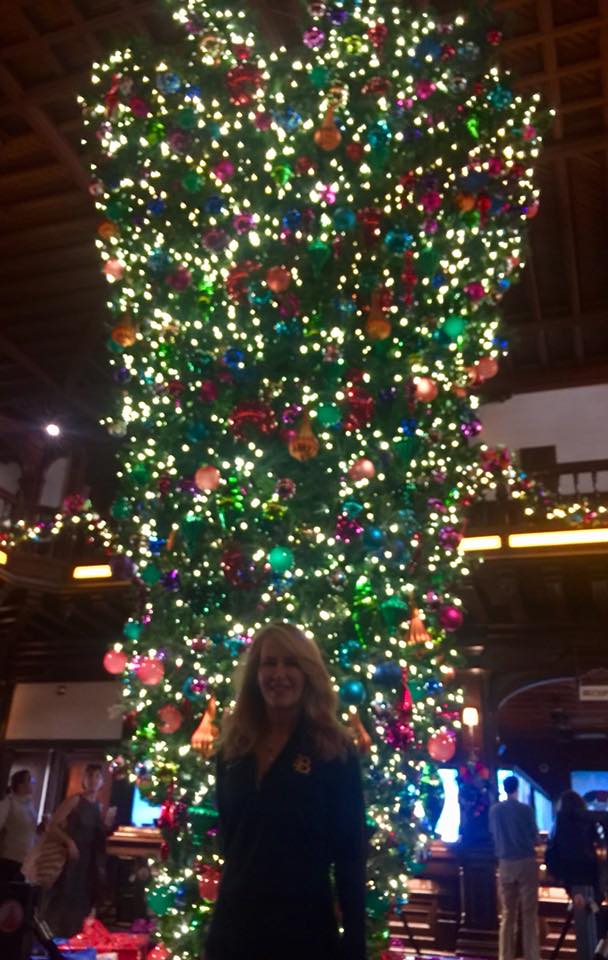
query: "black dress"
281, 839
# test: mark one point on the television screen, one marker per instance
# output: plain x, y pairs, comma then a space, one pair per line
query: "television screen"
143, 814
448, 825
543, 810
591, 784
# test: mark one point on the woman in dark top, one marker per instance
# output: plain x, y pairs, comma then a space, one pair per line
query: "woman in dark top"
291, 808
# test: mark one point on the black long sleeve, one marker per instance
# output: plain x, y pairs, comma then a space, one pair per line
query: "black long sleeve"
350, 855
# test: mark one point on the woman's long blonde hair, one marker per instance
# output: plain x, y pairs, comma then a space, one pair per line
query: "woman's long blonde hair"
246, 724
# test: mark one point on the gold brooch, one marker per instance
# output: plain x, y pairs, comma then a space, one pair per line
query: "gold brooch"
302, 764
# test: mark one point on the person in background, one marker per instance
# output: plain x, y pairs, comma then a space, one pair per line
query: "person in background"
290, 802
514, 832
74, 896
17, 826
576, 865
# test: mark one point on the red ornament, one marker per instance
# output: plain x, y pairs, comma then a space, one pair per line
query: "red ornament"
425, 389
370, 219
159, 952
238, 569
362, 469
209, 883
442, 746
362, 405
244, 82
237, 282
253, 417
376, 87
306, 165
278, 279
494, 37
150, 671
378, 34
170, 719
208, 391
115, 662
207, 478
486, 368
114, 269
355, 152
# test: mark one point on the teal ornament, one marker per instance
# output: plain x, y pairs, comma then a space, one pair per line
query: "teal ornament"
320, 255
151, 575
394, 611
376, 904
132, 630
454, 327
347, 652
353, 693
344, 219
121, 509
329, 414
373, 538
398, 241
259, 294
168, 82
352, 509
379, 135
196, 431
500, 97
281, 559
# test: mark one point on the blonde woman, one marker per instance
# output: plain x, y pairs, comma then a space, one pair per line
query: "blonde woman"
291, 812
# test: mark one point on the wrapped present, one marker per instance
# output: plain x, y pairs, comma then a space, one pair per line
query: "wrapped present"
117, 946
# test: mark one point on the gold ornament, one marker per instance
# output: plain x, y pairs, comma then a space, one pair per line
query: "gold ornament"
417, 633
204, 737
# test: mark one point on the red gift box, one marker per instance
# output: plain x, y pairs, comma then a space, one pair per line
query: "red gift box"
126, 946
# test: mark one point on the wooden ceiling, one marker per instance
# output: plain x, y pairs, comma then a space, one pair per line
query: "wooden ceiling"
52, 359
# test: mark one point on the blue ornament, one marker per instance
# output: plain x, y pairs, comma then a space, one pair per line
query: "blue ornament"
345, 306
353, 692
233, 357
156, 207
159, 261
373, 538
289, 119
344, 218
433, 685
192, 91
168, 82
504, 283
388, 674
408, 426
292, 219
196, 431
379, 135
428, 47
398, 241
156, 545
215, 204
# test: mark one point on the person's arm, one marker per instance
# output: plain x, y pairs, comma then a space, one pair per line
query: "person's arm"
350, 854
58, 825
533, 827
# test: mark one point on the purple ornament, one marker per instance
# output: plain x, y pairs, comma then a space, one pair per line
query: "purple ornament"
290, 306
471, 428
450, 537
224, 170
243, 222
314, 38
179, 141
198, 685
263, 120
338, 16
216, 240
180, 279
171, 581
439, 476
431, 226
291, 413
347, 529
451, 618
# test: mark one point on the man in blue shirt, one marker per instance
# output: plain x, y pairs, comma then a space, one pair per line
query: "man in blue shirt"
514, 832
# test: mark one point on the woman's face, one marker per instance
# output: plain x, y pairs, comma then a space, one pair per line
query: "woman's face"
92, 781
26, 787
280, 677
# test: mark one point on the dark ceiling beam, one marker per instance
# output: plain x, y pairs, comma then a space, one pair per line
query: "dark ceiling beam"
568, 70
16, 150
45, 127
554, 32
46, 234
37, 41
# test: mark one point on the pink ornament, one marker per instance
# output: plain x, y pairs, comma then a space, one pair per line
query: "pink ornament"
442, 746
114, 269
426, 389
207, 478
529, 132
451, 618
170, 719
208, 391
150, 671
424, 89
263, 120
362, 469
486, 368
532, 210
314, 38
224, 170
475, 290
139, 107
115, 662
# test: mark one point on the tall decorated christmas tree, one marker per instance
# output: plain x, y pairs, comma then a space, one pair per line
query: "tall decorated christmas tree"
307, 251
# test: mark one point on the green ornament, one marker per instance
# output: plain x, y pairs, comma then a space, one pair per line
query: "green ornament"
115, 210
121, 509
329, 414
319, 77
191, 182
155, 132
159, 900
320, 255
186, 118
132, 630
281, 559
394, 611
114, 346
151, 575
417, 691
454, 327
473, 126
206, 291
140, 473
353, 44
376, 904
471, 218
282, 174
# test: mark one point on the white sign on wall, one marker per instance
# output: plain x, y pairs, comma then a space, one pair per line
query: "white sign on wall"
65, 711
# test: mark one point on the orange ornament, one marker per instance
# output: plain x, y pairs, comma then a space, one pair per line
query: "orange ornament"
328, 137
204, 737
378, 327
465, 201
304, 446
107, 229
278, 279
124, 335
361, 737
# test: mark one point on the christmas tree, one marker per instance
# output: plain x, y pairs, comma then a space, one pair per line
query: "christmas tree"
306, 252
